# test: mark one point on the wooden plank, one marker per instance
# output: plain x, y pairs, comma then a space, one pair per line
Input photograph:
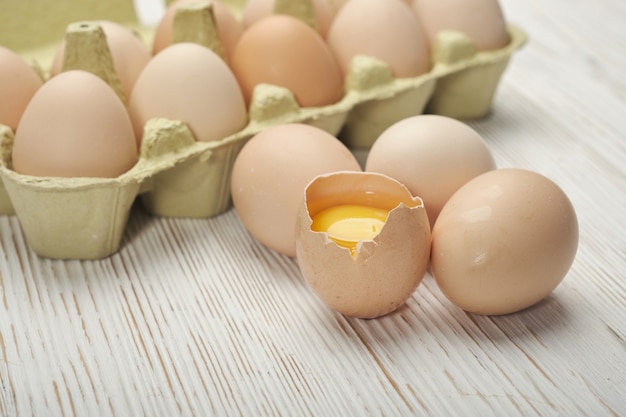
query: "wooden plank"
193, 317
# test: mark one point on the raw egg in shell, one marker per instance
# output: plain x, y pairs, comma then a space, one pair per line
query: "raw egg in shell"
362, 242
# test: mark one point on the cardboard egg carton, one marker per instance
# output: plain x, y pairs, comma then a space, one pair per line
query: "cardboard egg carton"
176, 176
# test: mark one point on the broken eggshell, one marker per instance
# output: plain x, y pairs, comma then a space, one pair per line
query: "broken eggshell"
380, 274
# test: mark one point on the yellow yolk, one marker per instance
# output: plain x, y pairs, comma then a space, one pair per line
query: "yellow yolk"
348, 224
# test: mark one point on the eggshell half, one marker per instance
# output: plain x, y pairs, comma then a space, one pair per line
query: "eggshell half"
504, 241
385, 271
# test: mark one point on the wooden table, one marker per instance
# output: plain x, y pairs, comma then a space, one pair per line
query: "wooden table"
193, 317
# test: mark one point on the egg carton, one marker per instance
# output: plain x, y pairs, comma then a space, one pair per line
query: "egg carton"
176, 176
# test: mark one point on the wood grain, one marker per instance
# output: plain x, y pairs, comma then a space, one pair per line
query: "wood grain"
193, 317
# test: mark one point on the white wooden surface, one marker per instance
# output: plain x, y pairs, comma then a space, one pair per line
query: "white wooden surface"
192, 317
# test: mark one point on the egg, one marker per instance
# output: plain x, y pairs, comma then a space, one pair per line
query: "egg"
229, 28
18, 83
270, 173
362, 242
323, 12
504, 241
481, 20
284, 51
74, 126
190, 83
432, 155
387, 30
129, 53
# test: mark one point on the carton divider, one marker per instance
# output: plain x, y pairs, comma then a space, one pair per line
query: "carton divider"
195, 22
86, 49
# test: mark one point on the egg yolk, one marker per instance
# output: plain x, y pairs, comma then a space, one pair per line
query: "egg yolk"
348, 224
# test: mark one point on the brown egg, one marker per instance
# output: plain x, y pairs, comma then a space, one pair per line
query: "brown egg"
386, 30
129, 53
256, 10
74, 126
504, 241
18, 84
229, 27
190, 83
432, 155
283, 51
362, 242
481, 20
270, 173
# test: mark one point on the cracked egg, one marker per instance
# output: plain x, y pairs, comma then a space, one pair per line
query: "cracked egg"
362, 242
